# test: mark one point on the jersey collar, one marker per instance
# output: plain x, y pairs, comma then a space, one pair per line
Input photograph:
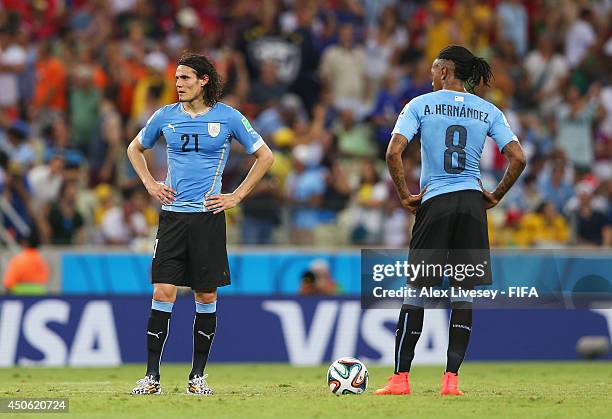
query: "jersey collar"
197, 114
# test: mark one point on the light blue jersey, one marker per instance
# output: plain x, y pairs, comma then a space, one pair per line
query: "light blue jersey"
198, 148
454, 127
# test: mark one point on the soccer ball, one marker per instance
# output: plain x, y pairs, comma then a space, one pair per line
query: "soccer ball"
347, 376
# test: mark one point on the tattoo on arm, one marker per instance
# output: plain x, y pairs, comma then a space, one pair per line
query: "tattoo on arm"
396, 167
514, 153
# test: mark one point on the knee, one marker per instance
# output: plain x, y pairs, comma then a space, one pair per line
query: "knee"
164, 295
206, 296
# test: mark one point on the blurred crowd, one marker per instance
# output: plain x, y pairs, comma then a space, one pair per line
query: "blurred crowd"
323, 81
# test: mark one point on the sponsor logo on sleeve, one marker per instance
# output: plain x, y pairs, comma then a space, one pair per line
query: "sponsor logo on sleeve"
247, 124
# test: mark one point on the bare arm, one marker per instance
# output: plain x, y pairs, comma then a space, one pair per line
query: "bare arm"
517, 162
396, 168
263, 160
395, 165
159, 190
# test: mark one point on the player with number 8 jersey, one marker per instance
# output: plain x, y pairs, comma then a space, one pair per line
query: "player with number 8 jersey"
451, 220
453, 126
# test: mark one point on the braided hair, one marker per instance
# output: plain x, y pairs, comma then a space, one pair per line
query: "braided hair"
470, 69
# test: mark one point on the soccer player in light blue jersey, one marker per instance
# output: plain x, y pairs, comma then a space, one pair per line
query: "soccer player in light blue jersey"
190, 247
451, 221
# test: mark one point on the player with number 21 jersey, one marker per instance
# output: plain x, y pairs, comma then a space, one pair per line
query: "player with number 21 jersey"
198, 148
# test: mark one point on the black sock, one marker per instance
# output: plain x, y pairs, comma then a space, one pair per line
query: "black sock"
459, 329
204, 329
409, 327
157, 333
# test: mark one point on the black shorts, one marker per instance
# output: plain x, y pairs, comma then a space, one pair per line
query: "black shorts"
450, 230
190, 250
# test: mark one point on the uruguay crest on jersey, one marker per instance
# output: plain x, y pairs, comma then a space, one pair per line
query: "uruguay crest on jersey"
214, 128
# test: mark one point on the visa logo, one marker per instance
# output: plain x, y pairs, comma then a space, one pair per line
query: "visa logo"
311, 344
45, 326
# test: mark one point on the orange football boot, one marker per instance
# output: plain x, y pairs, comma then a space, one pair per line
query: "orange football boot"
450, 385
397, 384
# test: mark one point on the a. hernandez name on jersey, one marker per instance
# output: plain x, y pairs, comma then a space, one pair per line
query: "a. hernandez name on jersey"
454, 127
198, 147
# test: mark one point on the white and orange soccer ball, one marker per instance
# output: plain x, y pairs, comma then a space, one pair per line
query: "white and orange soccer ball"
347, 376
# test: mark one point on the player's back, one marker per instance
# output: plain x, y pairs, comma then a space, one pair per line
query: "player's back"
453, 126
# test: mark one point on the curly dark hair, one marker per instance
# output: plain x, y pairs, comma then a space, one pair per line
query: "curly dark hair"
203, 67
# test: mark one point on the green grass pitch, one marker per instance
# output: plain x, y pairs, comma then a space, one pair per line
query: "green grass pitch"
554, 390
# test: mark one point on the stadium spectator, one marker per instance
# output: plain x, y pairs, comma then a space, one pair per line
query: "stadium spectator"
441, 29
105, 200
15, 192
556, 188
527, 197
305, 188
354, 137
547, 70
64, 223
307, 84
387, 105
579, 38
367, 215
544, 228
123, 224
307, 284
504, 227
397, 225
268, 88
381, 48
154, 90
337, 191
418, 83
513, 24
51, 83
317, 280
59, 142
84, 97
106, 152
590, 218
45, 181
574, 133
260, 211
343, 71
603, 136
15, 143
12, 61
476, 23
27, 273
